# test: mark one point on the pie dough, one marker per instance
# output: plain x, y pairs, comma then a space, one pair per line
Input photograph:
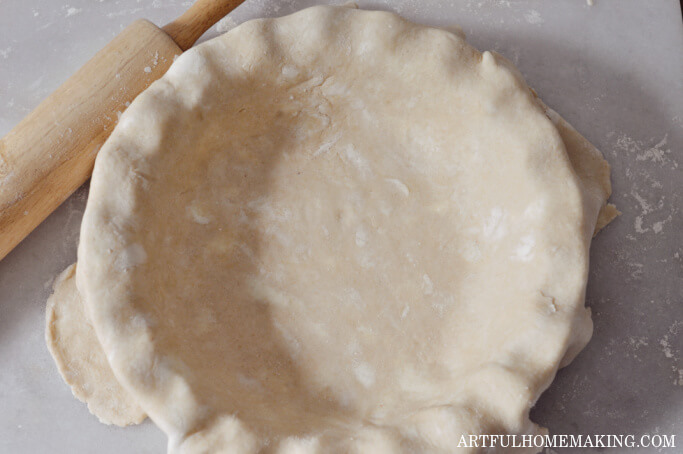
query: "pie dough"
81, 362
338, 231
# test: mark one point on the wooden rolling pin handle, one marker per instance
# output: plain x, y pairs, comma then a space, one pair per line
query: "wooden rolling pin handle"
187, 29
51, 152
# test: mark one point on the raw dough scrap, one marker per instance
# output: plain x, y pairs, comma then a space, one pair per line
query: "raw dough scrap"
338, 231
81, 362
590, 167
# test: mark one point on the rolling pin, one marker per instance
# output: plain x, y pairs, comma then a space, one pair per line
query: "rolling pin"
51, 152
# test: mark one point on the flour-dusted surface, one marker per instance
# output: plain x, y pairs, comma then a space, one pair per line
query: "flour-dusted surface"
591, 64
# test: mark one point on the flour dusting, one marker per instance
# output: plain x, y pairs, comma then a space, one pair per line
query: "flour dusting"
70, 11
658, 153
668, 343
533, 17
655, 206
226, 24
125, 12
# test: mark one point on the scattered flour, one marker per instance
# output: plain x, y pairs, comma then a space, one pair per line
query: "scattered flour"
638, 225
671, 352
361, 238
659, 153
649, 159
637, 269
637, 342
427, 285
533, 17
351, 156
327, 145
494, 226
497, 3
226, 24
364, 374
666, 346
71, 11
125, 12
133, 255
525, 249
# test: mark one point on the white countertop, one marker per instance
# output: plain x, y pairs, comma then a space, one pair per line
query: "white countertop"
614, 70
